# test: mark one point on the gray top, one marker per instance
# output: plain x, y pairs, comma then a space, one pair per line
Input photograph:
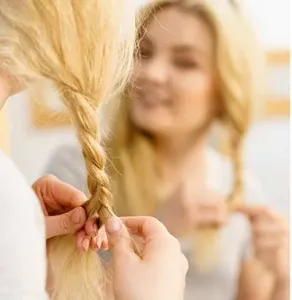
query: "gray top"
221, 282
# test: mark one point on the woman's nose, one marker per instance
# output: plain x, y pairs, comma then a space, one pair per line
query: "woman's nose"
155, 71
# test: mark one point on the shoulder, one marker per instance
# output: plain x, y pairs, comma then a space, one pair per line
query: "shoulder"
14, 187
21, 216
222, 177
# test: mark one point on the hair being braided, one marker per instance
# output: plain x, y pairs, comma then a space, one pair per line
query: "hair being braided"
83, 114
79, 46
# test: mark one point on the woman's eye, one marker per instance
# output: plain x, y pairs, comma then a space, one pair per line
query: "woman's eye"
144, 53
185, 64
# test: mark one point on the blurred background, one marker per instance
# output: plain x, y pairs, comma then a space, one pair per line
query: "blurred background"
30, 138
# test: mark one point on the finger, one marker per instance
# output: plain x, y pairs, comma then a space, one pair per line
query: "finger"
268, 229
60, 193
156, 237
102, 240
253, 211
82, 241
146, 227
66, 223
99, 242
91, 227
119, 241
265, 244
93, 244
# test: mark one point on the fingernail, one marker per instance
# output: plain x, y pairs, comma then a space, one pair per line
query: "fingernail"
85, 244
113, 225
76, 216
95, 230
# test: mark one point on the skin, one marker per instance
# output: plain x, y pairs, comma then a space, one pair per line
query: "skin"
173, 100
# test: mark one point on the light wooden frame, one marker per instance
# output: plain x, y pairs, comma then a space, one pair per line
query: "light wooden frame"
278, 106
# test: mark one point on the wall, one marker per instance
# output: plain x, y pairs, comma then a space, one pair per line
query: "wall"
267, 146
30, 148
4, 144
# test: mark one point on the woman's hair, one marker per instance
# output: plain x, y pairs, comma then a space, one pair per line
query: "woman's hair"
134, 168
79, 47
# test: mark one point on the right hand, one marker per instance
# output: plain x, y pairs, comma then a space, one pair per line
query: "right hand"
159, 274
191, 208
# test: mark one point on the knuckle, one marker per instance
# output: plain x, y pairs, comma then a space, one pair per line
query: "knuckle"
153, 220
44, 180
64, 223
156, 223
48, 178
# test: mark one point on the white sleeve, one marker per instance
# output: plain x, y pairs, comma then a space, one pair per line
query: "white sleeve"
22, 242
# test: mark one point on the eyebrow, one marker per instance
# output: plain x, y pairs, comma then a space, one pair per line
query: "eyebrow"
177, 49
182, 49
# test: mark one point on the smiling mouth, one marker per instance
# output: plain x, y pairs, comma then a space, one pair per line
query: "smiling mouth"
152, 100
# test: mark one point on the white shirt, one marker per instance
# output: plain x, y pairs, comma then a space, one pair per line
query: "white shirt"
22, 238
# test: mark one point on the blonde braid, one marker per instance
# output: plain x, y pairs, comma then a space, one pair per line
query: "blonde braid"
236, 148
83, 114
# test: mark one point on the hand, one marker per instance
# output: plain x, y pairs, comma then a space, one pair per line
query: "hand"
188, 209
159, 274
270, 239
62, 206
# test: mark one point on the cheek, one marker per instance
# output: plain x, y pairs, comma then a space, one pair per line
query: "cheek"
195, 100
135, 77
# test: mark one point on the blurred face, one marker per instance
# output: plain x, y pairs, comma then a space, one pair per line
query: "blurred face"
173, 91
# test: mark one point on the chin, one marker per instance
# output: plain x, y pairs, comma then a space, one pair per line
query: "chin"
154, 121
150, 126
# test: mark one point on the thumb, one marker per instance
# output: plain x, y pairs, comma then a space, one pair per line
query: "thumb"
67, 223
119, 240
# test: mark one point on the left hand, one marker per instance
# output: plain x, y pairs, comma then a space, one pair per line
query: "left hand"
270, 234
62, 207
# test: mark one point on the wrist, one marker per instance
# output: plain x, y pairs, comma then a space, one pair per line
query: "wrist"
282, 289
282, 281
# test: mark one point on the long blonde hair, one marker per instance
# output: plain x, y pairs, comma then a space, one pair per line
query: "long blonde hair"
79, 47
134, 169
